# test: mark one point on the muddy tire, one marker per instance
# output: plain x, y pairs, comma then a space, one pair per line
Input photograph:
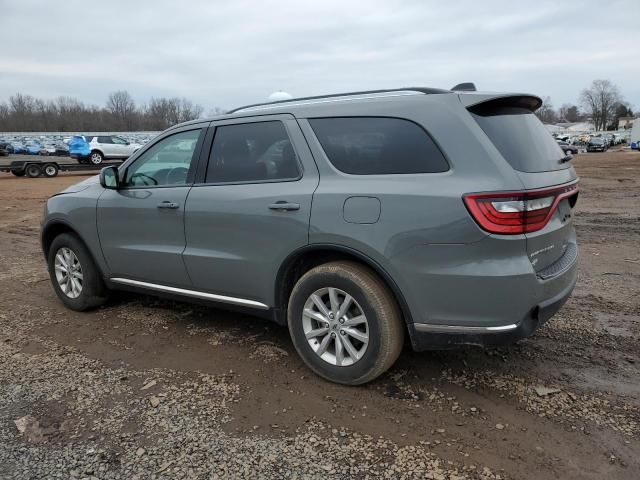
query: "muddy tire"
345, 323
74, 275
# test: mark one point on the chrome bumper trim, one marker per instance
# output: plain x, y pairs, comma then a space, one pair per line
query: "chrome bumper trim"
430, 328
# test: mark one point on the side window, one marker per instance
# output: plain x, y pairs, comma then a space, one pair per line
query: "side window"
104, 140
378, 146
252, 152
118, 140
165, 163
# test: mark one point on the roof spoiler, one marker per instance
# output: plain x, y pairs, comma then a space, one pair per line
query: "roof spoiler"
464, 87
482, 104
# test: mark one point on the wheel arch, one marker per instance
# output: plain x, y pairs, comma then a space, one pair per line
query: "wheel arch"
305, 258
51, 230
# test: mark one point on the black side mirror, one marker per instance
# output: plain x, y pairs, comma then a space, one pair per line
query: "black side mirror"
109, 178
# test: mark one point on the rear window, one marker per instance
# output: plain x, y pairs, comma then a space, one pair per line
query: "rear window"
521, 138
378, 146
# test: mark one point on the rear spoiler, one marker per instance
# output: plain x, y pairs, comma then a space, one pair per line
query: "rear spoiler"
484, 102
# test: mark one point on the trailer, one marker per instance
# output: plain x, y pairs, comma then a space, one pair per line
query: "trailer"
49, 168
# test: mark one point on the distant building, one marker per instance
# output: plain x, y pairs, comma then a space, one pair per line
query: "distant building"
625, 123
635, 133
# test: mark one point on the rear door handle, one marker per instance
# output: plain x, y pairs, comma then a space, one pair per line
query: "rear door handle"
284, 206
167, 204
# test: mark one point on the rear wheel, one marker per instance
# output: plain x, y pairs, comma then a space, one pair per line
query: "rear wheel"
74, 275
96, 157
345, 323
33, 170
50, 170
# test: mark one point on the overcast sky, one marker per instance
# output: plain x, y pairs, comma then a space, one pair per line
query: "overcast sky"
228, 53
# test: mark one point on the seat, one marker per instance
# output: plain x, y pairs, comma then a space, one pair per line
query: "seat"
237, 164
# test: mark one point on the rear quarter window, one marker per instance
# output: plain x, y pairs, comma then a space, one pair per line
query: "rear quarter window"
378, 146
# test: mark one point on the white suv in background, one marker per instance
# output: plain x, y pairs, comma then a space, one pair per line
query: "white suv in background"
109, 147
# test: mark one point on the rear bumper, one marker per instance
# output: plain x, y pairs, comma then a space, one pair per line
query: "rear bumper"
434, 337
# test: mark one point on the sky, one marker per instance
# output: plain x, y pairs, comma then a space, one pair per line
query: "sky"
230, 53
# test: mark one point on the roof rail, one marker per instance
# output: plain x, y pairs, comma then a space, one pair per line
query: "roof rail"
426, 91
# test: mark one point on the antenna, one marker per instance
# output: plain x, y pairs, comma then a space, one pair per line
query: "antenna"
464, 87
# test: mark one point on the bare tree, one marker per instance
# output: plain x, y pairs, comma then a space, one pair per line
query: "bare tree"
26, 113
600, 101
546, 113
122, 107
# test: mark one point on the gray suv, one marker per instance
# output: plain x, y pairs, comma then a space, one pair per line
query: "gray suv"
354, 219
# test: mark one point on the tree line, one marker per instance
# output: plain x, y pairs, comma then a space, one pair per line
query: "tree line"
24, 113
601, 103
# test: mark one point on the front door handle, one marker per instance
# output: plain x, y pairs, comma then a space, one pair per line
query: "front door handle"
283, 206
167, 204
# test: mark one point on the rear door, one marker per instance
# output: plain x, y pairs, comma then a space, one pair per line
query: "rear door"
525, 143
250, 207
141, 225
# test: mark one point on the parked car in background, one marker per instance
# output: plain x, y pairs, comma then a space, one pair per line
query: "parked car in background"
61, 150
568, 149
110, 147
33, 148
47, 149
18, 148
5, 148
353, 219
597, 144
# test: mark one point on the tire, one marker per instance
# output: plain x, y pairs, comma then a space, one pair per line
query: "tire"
18, 173
93, 292
33, 171
96, 157
383, 323
50, 170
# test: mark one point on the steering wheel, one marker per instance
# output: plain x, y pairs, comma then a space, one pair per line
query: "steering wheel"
144, 179
177, 176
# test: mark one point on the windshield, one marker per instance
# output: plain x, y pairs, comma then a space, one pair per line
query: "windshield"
521, 138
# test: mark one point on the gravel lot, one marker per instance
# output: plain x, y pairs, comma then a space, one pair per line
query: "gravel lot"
148, 388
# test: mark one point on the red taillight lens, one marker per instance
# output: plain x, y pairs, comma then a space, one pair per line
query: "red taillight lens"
511, 213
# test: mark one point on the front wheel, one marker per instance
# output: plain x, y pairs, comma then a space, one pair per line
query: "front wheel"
96, 157
345, 323
74, 275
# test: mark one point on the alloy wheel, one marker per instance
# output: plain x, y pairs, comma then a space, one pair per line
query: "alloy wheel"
335, 326
68, 272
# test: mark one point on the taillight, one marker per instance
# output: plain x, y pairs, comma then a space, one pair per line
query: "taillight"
511, 213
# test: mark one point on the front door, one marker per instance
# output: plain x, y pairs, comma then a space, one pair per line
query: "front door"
251, 209
141, 225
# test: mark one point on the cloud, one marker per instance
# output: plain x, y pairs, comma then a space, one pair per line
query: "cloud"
230, 53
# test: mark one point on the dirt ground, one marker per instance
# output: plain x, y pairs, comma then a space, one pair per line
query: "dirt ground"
148, 388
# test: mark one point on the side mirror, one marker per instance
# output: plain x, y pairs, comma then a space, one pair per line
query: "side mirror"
109, 178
